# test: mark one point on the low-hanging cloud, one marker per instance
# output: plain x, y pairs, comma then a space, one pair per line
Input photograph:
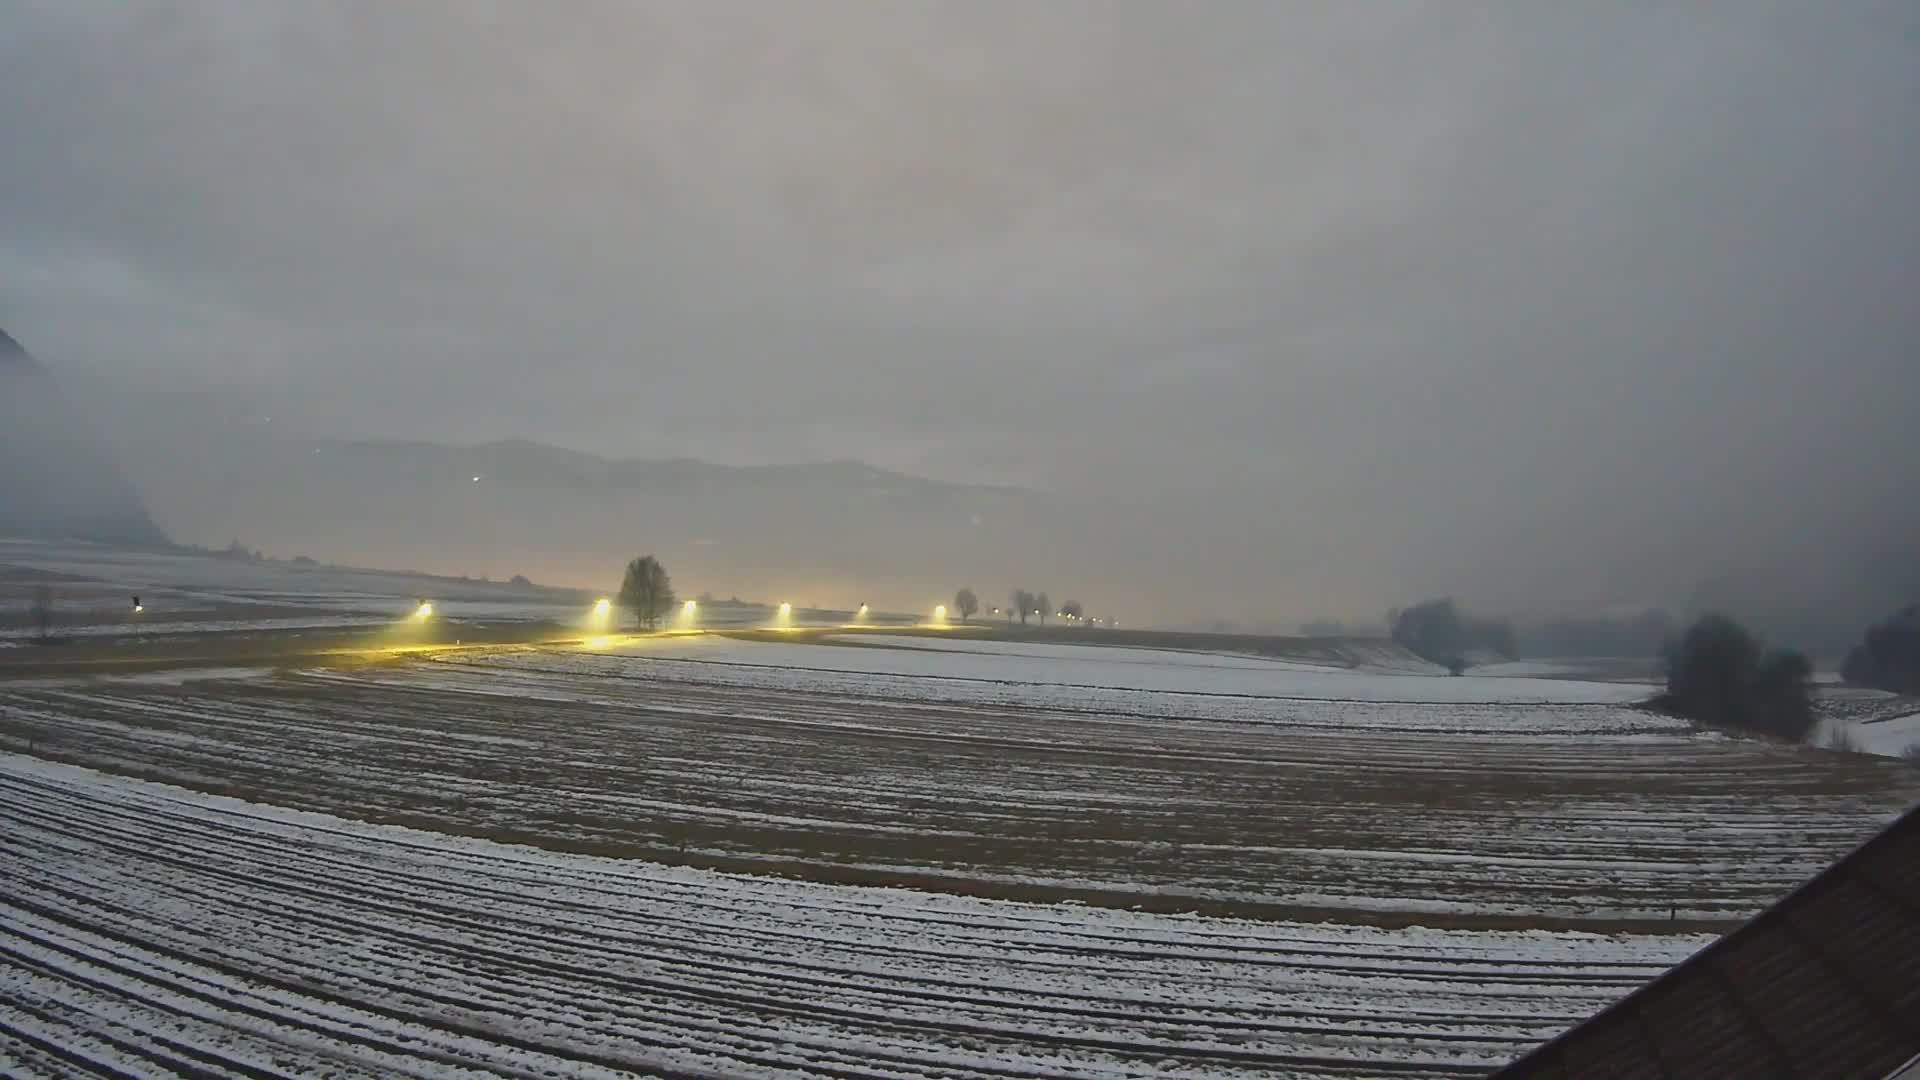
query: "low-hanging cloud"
1332, 304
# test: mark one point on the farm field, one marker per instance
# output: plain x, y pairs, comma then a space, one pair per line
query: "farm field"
192, 593
294, 846
1876, 721
146, 928
200, 582
729, 753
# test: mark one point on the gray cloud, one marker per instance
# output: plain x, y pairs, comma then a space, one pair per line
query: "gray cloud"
1344, 303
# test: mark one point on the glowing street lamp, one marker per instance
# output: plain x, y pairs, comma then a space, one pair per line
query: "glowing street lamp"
424, 611
602, 607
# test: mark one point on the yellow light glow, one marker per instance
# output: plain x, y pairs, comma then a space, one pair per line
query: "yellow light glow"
598, 642
424, 611
602, 606
940, 611
863, 609
786, 609
689, 607
138, 608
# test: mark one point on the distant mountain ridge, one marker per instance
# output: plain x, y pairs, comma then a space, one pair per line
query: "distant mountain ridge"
14, 356
521, 460
828, 534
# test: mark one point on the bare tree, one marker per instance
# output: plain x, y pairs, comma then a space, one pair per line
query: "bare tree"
966, 604
1022, 601
1040, 606
646, 591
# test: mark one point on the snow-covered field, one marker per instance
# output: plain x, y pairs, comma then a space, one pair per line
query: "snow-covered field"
150, 929
1099, 861
827, 761
132, 629
239, 581
186, 592
1890, 736
1645, 671
1164, 671
1875, 721
197, 594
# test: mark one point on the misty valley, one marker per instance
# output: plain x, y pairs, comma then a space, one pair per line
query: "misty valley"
1067, 541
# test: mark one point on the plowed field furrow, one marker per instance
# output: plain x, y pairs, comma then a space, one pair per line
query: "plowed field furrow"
318, 860
736, 976
135, 1009
1470, 812
140, 919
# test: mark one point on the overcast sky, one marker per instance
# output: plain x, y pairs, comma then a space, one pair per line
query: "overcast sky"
1465, 297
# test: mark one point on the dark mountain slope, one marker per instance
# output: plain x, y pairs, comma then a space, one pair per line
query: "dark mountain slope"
57, 480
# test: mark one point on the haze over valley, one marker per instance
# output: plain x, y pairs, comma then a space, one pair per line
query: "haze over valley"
1317, 311
972, 538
